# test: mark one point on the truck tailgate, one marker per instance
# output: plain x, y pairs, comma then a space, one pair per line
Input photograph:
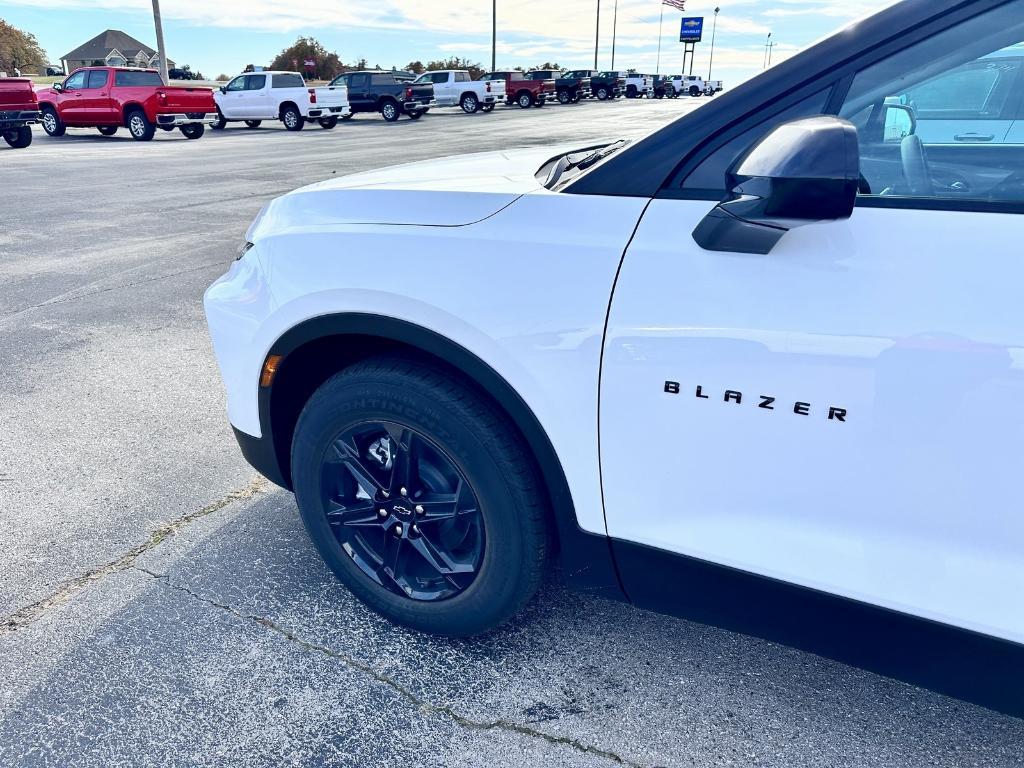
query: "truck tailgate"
17, 94
331, 96
497, 88
184, 99
422, 92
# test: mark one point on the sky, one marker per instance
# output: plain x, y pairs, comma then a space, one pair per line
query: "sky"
223, 36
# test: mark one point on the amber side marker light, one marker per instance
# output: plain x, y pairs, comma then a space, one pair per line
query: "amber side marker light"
270, 366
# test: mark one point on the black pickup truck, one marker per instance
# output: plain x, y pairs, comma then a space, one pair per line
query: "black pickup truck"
607, 85
570, 87
390, 93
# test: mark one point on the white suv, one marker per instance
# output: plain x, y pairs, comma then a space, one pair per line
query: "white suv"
253, 98
813, 433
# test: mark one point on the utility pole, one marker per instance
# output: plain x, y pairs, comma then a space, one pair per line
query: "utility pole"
161, 52
770, 47
597, 33
494, 34
615, 27
660, 20
714, 28
767, 48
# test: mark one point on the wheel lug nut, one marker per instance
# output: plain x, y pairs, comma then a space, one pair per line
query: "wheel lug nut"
382, 512
403, 491
398, 530
419, 509
415, 529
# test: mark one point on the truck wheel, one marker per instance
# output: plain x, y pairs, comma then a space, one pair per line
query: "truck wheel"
193, 130
417, 114
139, 126
487, 107
107, 130
630, 91
602, 94
469, 103
563, 96
349, 116
327, 122
694, 90
291, 118
524, 100
576, 98
420, 496
253, 123
220, 123
19, 138
389, 111
52, 123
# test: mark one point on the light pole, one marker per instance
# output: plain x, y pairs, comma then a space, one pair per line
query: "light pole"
615, 27
767, 43
160, 40
597, 33
494, 34
714, 28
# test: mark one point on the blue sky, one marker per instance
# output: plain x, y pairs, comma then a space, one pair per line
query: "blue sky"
222, 36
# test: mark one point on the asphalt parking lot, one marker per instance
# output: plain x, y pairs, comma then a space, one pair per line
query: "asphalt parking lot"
161, 605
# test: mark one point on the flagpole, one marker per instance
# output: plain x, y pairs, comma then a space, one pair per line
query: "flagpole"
660, 22
597, 33
615, 27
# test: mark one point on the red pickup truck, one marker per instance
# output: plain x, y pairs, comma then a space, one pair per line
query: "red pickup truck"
108, 98
521, 91
18, 110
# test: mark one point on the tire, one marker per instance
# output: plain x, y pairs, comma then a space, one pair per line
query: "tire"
52, 123
524, 100
292, 119
630, 91
541, 101
253, 123
107, 130
349, 116
220, 123
576, 98
327, 122
499, 540
193, 130
470, 103
602, 94
563, 96
139, 126
694, 90
417, 115
486, 107
389, 111
19, 138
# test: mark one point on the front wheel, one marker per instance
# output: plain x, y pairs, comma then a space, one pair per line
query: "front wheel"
220, 123
107, 130
420, 496
140, 127
19, 138
193, 130
564, 97
253, 123
52, 123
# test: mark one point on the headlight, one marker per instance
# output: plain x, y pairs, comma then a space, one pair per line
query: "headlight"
243, 250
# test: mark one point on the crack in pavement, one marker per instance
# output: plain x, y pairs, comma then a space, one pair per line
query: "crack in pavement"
421, 705
31, 613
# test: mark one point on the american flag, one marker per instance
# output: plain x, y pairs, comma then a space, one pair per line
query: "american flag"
679, 5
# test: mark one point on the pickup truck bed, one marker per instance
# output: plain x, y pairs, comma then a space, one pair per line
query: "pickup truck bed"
18, 110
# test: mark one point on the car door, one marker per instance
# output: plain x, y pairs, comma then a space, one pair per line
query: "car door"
232, 101
359, 93
95, 100
844, 413
257, 98
72, 105
444, 88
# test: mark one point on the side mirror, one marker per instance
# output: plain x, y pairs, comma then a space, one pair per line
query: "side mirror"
900, 122
223, 89
58, 87
803, 172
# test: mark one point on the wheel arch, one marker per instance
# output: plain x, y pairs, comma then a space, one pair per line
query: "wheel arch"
317, 348
284, 105
128, 108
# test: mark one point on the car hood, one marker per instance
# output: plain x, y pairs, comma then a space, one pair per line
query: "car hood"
448, 192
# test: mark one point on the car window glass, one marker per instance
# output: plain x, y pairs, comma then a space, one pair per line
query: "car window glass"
709, 176
97, 78
935, 120
381, 79
287, 81
358, 81
126, 78
462, 77
238, 84
255, 82
75, 82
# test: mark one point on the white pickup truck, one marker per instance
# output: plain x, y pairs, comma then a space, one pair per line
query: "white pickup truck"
456, 88
258, 96
638, 86
695, 85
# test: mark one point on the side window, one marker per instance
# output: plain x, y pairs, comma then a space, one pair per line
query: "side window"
709, 176
358, 81
462, 77
97, 78
238, 84
382, 80
75, 82
255, 82
287, 81
937, 119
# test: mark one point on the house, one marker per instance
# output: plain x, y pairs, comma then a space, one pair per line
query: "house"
113, 48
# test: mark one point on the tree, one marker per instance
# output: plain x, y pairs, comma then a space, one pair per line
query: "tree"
454, 62
416, 67
546, 65
20, 50
326, 63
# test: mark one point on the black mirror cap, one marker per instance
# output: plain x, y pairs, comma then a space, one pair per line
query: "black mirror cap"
802, 172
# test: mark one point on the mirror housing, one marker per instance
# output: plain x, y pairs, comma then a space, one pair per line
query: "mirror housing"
58, 87
898, 122
803, 172
223, 89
